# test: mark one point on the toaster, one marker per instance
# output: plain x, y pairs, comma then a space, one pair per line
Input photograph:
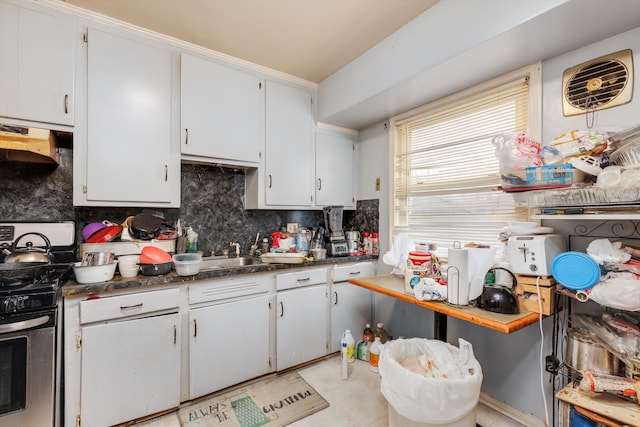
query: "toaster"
533, 255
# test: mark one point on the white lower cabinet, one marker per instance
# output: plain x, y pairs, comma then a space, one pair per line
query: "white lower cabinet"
301, 313
228, 344
351, 305
130, 357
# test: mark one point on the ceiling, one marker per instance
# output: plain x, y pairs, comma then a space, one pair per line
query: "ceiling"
308, 39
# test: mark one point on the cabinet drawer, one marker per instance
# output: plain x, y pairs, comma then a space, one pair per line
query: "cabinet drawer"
301, 278
227, 288
342, 273
116, 307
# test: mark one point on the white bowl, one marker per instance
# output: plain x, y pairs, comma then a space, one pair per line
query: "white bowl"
187, 264
94, 273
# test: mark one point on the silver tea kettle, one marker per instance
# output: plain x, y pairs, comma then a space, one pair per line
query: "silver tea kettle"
499, 299
29, 253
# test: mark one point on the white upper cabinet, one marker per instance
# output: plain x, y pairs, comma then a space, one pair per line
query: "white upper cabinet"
335, 166
37, 57
286, 178
220, 113
132, 156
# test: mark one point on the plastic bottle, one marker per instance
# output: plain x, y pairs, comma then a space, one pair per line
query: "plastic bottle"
351, 345
265, 245
362, 350
368, 334
374, 354
374, 244
381, 332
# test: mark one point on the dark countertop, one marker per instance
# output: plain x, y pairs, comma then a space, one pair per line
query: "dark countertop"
118, 283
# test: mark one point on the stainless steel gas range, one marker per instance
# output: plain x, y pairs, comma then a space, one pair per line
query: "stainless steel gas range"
29, 335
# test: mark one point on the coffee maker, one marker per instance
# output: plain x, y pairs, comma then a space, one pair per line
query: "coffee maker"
334, 236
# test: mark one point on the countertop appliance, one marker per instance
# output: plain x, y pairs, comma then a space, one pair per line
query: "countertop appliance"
336, 242
533, 255
29, 316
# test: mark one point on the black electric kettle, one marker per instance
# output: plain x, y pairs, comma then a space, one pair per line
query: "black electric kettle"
498, 298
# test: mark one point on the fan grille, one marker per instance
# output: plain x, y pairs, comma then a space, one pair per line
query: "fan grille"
598, 84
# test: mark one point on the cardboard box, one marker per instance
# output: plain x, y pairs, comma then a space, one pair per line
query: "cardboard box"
532, 280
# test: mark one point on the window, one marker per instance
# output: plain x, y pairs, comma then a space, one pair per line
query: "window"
445, 169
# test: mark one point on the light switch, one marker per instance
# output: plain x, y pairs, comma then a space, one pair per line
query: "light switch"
378, 184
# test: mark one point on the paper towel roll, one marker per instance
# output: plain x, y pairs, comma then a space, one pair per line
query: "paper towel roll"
458, 277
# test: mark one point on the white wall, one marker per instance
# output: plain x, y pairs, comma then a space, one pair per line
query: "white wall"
510, 363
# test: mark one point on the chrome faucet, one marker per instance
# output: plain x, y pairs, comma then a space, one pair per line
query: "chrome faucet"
237, 246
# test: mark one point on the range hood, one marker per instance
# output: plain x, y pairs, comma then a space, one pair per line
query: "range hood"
23, 144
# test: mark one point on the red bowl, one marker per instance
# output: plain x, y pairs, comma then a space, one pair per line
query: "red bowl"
154, 255
105, 235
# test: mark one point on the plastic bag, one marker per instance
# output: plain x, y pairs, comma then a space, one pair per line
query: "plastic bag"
429, 289
516, 151
573, 143
604, 252
431, 400
617, 290
399, 254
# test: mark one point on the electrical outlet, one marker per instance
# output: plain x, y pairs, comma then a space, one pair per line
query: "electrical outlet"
377, 184
551, 364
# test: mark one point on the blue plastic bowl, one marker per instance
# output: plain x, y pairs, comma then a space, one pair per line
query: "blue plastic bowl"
575, 270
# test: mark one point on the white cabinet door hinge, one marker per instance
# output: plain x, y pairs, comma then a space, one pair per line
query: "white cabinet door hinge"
269, 362
78, 340
78, 420
85, 37
84, 188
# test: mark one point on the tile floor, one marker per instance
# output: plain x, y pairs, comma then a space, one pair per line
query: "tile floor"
356, 402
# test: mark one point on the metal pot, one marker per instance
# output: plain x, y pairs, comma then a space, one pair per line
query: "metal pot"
145, 226
583, 352
29, 253
499, 299
156, 269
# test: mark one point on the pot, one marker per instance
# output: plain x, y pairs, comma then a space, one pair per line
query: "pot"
584, 352
29, 253
145, 226
499, 299
22, 270
156, 269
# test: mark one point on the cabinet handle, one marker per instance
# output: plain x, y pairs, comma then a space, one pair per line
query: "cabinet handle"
319, 184
353, 273
195, 328
66, 103
336, 294
269, 180
130, 307
281, 309
186, 136
175, 334
166, 173
304, 280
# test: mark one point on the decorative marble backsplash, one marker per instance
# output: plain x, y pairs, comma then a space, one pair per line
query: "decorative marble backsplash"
212, 203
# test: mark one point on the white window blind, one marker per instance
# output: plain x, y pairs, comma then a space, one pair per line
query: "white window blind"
446, 172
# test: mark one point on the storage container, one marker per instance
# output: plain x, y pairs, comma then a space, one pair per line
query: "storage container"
187, 264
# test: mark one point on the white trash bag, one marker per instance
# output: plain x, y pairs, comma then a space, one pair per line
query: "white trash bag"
447, 387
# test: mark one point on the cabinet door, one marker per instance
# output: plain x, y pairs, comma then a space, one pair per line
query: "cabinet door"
288, 145
301, 325
351, 305
350, 309
228, 344
335, 168
129, 145
220, 111
37, 57
129, 369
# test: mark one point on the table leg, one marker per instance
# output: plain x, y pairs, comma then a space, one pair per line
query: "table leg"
440, 326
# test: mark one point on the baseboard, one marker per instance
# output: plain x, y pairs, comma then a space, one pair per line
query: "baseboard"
510, 411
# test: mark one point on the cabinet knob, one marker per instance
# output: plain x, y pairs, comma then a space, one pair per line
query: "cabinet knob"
270, 180
186, 136
66, 103
319, 184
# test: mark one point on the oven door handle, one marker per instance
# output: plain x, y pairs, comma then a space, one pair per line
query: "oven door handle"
22, 325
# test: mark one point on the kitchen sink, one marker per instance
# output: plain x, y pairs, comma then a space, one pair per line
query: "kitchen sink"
213, 263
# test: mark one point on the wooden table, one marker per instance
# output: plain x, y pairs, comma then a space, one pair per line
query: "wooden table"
393, 286
621, 412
